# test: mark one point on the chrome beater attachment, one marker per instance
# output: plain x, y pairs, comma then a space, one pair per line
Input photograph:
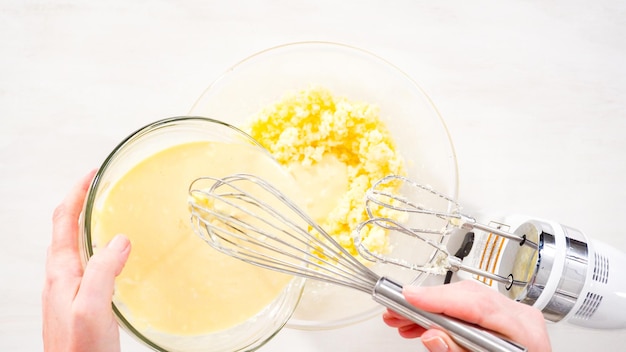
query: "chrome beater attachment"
438, 216
553, 267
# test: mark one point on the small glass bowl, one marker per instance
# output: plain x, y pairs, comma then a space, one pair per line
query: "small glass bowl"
141, 144
415, 124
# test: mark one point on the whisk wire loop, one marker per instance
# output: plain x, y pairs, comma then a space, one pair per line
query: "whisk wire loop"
248, 227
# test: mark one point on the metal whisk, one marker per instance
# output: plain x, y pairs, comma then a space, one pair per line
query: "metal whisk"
246, 218
451, 219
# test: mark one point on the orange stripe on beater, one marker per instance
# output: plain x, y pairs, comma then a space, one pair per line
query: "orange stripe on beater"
482, 264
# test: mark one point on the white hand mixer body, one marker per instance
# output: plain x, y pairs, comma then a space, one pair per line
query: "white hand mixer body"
552, 267
573, 278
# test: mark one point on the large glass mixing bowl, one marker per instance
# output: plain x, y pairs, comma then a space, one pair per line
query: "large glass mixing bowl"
147, 141
416, 126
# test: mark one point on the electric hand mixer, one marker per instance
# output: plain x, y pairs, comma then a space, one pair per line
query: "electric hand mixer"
246, 218
553, 267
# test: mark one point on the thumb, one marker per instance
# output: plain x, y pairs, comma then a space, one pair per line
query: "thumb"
98, 280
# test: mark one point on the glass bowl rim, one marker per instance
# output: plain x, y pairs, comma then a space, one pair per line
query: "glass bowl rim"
454, 182
86, 244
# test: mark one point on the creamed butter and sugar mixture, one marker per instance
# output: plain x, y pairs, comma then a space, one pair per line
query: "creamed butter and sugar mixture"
336, 149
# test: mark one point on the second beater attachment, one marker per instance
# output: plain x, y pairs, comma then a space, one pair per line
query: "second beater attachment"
432, 218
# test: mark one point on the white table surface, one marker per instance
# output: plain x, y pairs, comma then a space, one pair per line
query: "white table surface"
533, 92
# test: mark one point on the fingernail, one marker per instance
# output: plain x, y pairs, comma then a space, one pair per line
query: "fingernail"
411, 290
119, 243
435, 344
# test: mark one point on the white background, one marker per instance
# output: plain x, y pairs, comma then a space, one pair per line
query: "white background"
533, 92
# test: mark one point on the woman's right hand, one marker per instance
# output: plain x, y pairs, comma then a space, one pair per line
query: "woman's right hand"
476, 304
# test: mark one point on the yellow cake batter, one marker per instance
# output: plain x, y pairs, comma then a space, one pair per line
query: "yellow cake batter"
173, 282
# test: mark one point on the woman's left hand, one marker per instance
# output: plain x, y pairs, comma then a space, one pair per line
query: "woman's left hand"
77, 314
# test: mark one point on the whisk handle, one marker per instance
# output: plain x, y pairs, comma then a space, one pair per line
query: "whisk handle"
472, 337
